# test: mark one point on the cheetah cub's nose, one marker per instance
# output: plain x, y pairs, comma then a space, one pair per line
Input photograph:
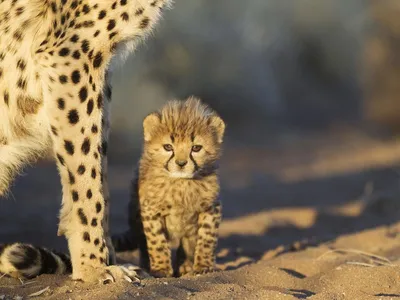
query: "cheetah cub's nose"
181, 163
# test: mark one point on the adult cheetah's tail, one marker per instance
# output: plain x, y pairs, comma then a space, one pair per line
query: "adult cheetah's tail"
127, 241
27, 261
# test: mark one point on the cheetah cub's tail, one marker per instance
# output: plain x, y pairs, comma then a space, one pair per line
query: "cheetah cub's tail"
26, 261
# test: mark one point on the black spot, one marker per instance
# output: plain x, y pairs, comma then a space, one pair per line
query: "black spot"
53, 7
85, 46
69, 147
75, 196
54, 130
86, 9
125, 16
102, 14
98, 207
73, 116
83, 94
71, 177
96, 33
144, 23
89, 194
76, 76
90, 105
63, 52
111, 25
85, 146
18, 35
74, 4
99, 101
21, 64
98, 60
88, 24
139, 11
94, 173
74, 38
94, 222
86, 68
6, 98
123, 2
86, 237
76, 54
95, 129
61, 159
111, 35
96, 242
82, 217
61, 103
92, 256
22, 83
63, 79
81, 169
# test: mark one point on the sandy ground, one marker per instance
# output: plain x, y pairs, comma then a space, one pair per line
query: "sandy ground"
306, 218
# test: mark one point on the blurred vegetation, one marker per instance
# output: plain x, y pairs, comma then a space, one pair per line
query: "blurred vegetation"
269, 67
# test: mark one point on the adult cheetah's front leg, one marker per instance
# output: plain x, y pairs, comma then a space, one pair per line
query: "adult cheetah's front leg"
75, 111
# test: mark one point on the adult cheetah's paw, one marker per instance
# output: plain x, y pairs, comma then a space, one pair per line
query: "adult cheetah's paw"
130, 273
110, 274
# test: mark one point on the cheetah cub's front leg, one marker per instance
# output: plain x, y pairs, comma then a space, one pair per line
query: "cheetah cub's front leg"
158, 248
207, 236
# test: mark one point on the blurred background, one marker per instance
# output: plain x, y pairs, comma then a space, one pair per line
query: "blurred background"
309, 91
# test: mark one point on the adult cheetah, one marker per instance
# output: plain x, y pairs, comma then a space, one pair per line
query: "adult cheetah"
54, 95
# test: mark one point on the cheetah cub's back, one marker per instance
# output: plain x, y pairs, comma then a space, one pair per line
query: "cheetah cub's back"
174, 196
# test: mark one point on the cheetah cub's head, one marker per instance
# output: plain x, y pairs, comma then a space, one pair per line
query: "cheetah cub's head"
183, 139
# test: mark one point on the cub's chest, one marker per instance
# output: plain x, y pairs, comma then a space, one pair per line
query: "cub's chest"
181, 207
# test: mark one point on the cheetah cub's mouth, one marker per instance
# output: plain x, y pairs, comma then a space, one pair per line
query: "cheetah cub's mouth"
183, 140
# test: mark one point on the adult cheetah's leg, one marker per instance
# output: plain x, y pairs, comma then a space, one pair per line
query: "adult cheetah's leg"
104, 146
75, 113
207, 237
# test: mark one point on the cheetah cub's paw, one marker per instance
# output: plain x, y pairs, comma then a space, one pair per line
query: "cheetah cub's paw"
162, 273
202, 270
186, 268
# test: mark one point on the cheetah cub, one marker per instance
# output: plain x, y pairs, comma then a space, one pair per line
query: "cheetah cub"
174, 193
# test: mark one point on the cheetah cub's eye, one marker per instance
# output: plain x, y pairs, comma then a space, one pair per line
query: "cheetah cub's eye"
197, 148
168, 147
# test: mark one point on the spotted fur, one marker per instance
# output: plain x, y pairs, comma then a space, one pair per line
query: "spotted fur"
55, 63
174, 194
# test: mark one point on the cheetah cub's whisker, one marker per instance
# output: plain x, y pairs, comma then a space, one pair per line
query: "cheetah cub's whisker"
174, 193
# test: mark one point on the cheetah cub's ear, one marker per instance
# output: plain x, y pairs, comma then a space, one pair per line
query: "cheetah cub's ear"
150, 124
219, 126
